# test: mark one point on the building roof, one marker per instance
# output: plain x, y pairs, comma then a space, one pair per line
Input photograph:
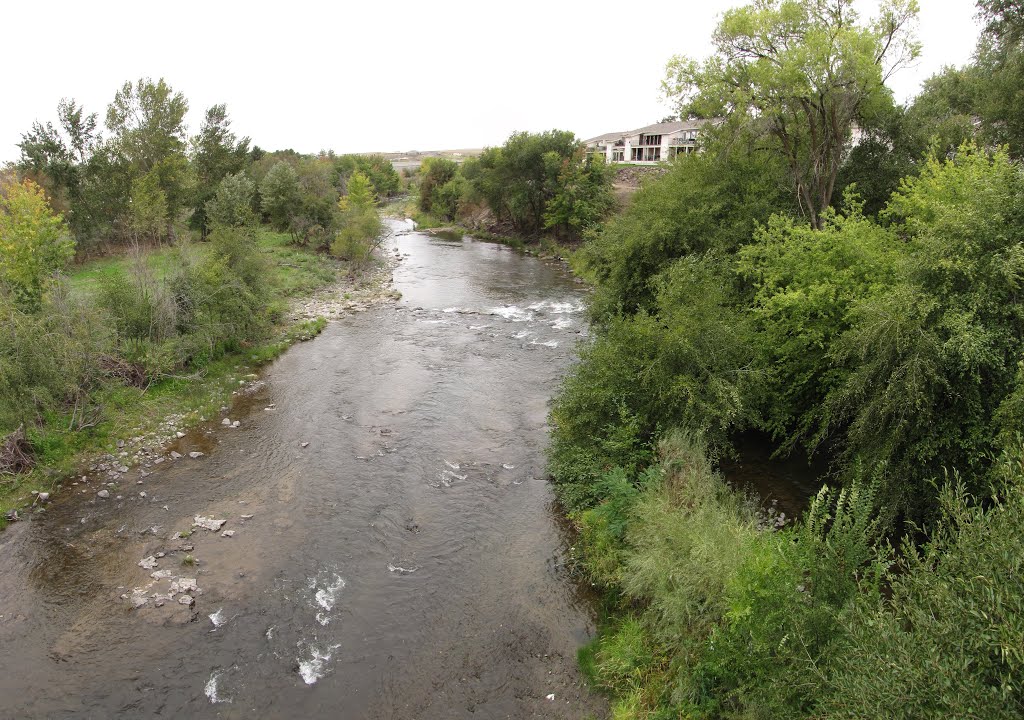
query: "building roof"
662, 128
607, 137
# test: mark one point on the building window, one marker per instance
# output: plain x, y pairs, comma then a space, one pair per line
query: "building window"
618, 155
650, 139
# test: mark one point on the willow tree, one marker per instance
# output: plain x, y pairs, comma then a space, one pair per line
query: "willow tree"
803, 73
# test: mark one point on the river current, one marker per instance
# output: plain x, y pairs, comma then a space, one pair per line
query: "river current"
390, 550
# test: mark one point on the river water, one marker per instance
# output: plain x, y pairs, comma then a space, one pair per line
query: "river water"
406, 563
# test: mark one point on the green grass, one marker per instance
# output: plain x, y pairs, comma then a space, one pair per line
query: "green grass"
127, 411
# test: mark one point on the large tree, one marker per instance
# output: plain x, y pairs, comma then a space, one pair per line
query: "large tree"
216, 153
148, 134
802, 73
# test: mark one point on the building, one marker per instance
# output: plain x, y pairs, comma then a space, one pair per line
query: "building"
647, 145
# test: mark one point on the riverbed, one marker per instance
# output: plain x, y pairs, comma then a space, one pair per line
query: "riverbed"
390, 547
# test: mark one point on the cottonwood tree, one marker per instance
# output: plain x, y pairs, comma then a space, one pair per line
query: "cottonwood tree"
148, 134
216, 153
802, 73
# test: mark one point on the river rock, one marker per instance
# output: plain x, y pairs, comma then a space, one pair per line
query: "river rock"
208, 523
187, 600
147, 563
175, 454
228, 533
225, 421
195, 454
103, 494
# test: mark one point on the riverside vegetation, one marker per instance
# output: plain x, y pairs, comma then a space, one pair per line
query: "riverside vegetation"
198, 244
537, 187
860, 306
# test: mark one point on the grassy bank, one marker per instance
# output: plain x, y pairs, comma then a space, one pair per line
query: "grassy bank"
62, 444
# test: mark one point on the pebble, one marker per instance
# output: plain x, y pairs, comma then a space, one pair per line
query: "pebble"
186, 600
305, 444
195, 454
225, 421
228, 533
175, 454
103, 494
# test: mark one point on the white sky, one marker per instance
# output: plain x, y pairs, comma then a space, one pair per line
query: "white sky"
388, 76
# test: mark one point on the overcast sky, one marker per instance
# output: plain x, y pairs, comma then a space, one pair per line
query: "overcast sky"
388, 76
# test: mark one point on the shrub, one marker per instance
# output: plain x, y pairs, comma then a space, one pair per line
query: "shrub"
34, 244
948, 641
49, 358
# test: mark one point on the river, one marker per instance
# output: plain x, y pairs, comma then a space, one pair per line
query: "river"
407, 562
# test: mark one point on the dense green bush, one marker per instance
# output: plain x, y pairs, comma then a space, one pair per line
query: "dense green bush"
947, 639
49, 358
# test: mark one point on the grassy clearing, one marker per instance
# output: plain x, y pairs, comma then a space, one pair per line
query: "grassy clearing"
128, 411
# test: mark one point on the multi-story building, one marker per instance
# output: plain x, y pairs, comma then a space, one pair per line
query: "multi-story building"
647, 145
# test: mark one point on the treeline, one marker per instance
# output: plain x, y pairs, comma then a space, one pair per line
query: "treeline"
146, 178
858, 305
535, 183
189, 213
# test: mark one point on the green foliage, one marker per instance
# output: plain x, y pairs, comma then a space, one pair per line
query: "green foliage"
48, 357
805, 283
683, 366
34, 244
931, 357
360, 226
231, 206
435, 172
947, 639
148, 208
380, 171
279, 195
704, 203
518, 181
801, 73
582, 198
216, 153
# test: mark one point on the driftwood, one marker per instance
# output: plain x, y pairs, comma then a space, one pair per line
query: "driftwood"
127, 372
15, 453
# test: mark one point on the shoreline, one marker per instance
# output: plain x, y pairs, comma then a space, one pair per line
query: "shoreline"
147, 436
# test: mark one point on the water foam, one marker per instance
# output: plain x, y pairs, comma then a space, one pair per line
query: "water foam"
513, 313
315, 667
211, 688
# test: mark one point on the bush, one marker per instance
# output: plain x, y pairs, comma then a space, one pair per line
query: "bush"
34, 244
948, 640
49, 358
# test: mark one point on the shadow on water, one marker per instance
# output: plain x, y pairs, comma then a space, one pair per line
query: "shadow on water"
787, 483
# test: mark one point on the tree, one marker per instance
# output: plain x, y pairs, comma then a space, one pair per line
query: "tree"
147, 207
34, 243
519, 179
58, 157
279, 195
435, 171
232, 204
216, 153
147, 125
359, 225
802, 73
583, 195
